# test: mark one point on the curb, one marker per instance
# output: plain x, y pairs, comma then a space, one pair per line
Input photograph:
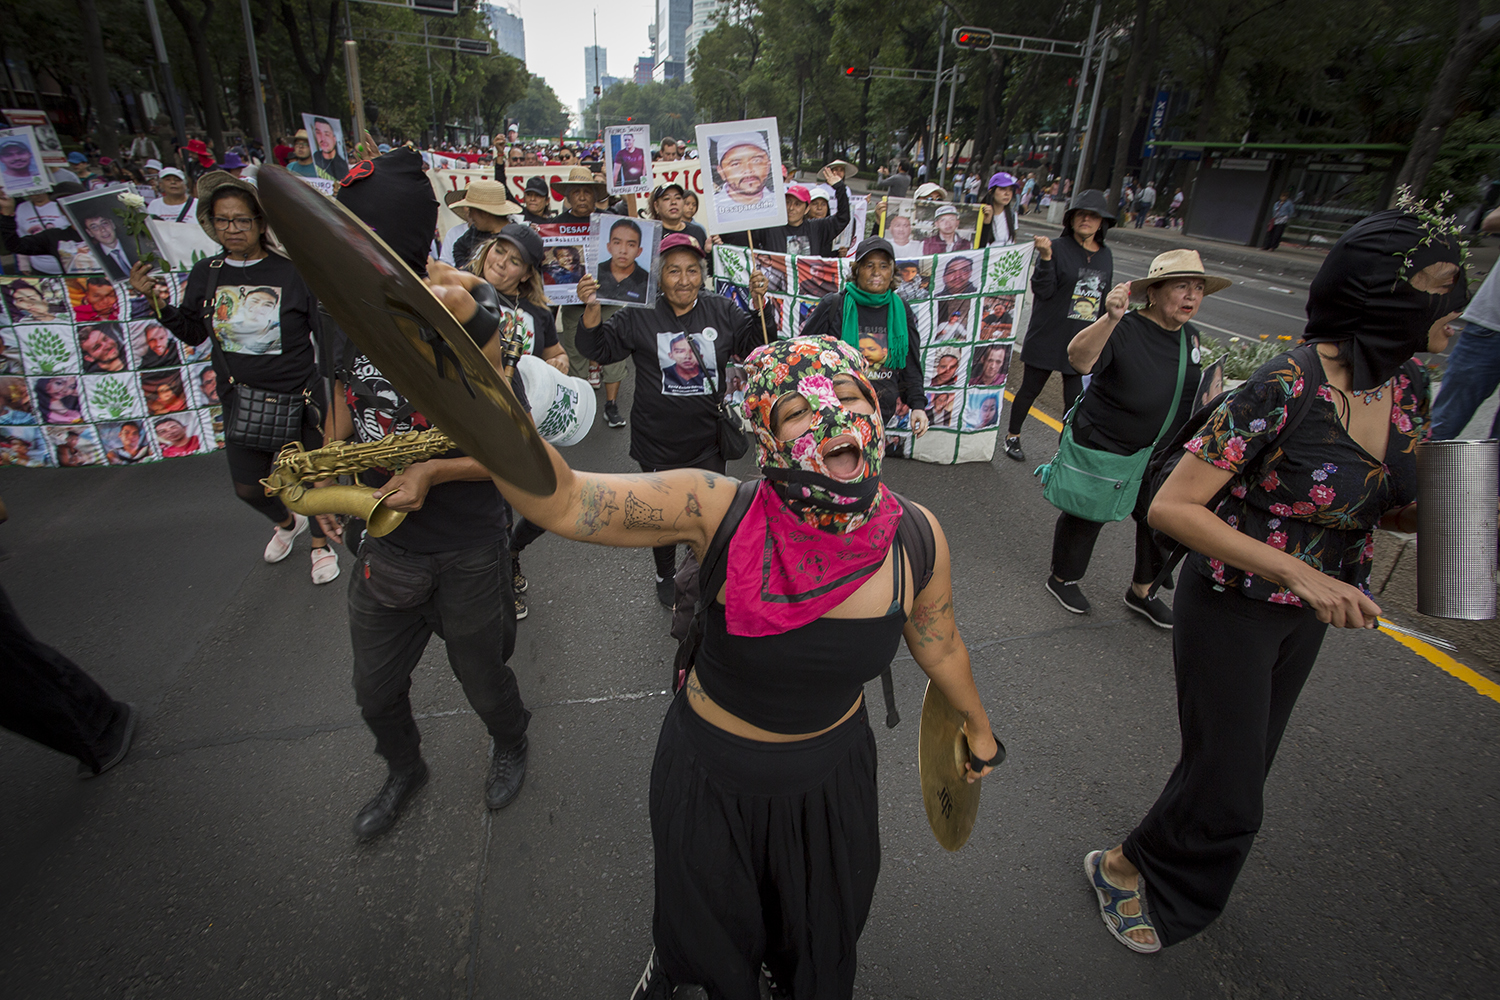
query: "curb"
1220, 253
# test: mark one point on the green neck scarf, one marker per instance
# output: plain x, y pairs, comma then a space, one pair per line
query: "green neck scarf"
895, 323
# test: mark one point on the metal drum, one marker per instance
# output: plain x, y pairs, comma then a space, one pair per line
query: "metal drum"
1456, 483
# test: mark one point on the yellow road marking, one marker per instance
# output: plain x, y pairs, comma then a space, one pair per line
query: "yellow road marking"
1443, 661
1037, 413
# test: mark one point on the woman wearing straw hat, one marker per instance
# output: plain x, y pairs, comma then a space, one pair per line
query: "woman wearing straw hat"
1072, 274
487, 210
1285, 554
1135, 358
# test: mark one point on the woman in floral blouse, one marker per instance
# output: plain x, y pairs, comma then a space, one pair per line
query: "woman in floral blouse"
1284, 555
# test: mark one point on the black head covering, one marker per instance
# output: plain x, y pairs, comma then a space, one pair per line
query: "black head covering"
394, 198
1362, 293
1092, 200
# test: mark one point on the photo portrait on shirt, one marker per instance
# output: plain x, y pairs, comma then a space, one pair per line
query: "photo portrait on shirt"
35, 300
126, 442
744, 160
247, 319
93, 297
24, 446
178, 435
981, 409
164, 392
16, 406
99, 219
1088, 294
73, 447
940, 406
205, 385
626, 252
102, 348
997, 317
56, 399
990, 366
681, 375
946, 365
627, 159
817, 276
153, 345
327, 136
21, 170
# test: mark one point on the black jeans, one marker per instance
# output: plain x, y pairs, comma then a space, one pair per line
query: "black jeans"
397, 599
46, 697
1240, 666
666, 555
1031, 387
1073, 546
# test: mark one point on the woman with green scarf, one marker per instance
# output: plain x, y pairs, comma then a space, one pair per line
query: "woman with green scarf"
869, 315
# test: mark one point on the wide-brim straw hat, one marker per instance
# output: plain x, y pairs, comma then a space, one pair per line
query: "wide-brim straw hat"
1177, 264
215, 181
453, 198
487, 195
850, 170
932, 190
583, 177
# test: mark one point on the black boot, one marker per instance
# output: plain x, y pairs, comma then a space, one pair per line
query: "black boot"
380, 813
507, 775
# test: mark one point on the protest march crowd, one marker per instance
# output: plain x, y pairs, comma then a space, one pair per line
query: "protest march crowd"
753, 309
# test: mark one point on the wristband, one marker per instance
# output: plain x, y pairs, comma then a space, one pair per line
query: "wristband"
979, 764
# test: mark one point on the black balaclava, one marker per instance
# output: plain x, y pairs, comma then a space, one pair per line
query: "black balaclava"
1362, 293
392, 195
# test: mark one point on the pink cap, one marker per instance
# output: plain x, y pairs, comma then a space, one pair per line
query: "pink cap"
800, 193
673, 241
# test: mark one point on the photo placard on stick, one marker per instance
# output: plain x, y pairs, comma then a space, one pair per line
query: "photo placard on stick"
327, 135
53, 156
627, 159
22, 172
626, 250
744, 159
566, 252
100, 218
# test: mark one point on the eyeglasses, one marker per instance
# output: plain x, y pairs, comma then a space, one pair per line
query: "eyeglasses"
239, 225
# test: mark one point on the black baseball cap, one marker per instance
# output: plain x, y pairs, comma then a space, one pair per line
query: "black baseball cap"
871, 244
524, 239
538, 185
664, 188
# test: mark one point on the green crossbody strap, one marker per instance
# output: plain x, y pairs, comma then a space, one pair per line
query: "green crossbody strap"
1182, 359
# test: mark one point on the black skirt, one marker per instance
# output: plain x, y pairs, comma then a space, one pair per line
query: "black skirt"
765, 852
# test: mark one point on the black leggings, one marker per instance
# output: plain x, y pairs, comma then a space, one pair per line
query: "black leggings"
666, 555
1031, 387
1240, 666
248, 466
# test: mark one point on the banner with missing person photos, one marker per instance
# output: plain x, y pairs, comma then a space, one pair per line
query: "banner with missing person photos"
967, 305
88, 376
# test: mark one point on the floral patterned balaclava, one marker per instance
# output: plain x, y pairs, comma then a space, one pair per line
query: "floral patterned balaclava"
797, 469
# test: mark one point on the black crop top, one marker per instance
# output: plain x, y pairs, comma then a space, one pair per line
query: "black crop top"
804, 680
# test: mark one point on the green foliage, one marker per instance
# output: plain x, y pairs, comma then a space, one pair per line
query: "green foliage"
666, 107
539, 112
1242, 358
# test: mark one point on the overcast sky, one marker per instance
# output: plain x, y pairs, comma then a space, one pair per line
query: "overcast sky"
557, 32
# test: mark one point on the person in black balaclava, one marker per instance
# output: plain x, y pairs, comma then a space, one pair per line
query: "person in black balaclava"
1285, 554
450, 556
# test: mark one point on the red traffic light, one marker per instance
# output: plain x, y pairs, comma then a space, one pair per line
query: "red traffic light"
855, 73
973, 38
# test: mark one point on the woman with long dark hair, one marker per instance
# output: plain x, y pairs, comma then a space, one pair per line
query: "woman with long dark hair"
998, 210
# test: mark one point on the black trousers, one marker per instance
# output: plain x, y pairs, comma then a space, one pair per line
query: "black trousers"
765, 852
248, 466
46, 697
1031, 387
524, 533
1273, 236
397, 600
1240, 666
666, 555
1073, 545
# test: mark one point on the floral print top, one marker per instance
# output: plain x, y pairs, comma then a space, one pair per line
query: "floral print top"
1319, 495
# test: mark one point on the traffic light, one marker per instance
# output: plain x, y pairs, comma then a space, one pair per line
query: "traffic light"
973, 38
855, 73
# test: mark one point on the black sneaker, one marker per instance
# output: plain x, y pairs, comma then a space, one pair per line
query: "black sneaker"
1068, 595
1155, 610
1013, 449
507, 775
517, 581
654, 984
612, 414
666, 591
381, 812
117, 736
521, 611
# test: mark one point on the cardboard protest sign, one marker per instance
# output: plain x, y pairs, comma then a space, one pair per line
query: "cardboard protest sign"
41, 127
626, 251
627, 159
327, 135
965, 303
744, 160
101, 218
22, 172
567, 255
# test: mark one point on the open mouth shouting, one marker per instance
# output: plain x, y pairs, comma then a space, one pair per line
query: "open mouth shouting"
843, 458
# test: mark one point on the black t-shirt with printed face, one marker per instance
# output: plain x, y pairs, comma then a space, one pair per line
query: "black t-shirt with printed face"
1131, 390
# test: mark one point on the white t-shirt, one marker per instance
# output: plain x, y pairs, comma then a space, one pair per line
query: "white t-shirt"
32, 219
1001, 227
159, 209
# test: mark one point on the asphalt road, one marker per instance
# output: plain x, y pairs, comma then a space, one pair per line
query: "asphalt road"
217, 859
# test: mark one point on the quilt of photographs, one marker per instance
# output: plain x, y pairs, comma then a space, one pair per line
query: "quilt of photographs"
88, 376
966, 304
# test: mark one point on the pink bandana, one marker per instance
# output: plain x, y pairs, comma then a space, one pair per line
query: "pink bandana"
784, 573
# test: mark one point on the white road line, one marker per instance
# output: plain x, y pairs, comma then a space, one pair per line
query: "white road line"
1273, 312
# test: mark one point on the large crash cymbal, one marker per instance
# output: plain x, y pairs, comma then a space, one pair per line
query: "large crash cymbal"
403, 329
952, 803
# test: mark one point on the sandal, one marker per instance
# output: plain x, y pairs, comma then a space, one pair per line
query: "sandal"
1110, 898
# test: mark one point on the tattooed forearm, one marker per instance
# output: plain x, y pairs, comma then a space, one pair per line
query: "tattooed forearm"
596, 506
933, 622
640, 514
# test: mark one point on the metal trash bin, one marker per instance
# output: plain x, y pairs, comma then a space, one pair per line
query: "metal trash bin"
1456, 484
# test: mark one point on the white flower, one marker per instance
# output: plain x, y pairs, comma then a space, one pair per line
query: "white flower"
133, 201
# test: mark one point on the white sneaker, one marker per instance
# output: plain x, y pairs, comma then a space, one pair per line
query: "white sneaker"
280, 545
325, 565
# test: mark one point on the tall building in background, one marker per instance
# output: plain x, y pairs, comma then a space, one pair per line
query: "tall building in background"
643, 67
508, 28
706, 14
672, 20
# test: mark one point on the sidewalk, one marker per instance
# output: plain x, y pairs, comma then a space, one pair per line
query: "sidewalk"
1301, 262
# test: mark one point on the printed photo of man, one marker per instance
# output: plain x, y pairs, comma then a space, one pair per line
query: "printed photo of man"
98, 301
630, 162
113, 248
743, 175
21, 171
958, 277
125, 443
156, 346
621, 278
946, 239
101, 348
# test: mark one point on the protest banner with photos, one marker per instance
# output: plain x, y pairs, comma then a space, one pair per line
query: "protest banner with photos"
46, 136
744, 159
626, 252
567, 255
627, 159
924, 227
22, 171
88, 376
966, 304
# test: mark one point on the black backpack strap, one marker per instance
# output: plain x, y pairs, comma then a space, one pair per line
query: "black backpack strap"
712, 573
914, 535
